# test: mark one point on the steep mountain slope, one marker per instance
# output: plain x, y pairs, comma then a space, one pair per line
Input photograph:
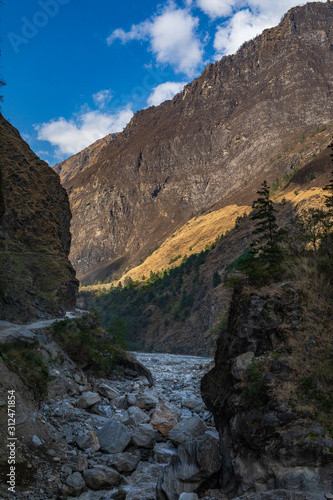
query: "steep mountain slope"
198, 150
36, 277
76, 164
182, 310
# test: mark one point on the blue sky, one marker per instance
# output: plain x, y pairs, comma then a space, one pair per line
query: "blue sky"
77, 70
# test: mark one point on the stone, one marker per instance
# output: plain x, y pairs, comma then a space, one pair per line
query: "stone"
88, 399
198, 459
101, 410
120, 402
134, 416
75, 484
241, 364
123, 462
107, 391
144, 436
80, 378
88, 441
131, 399
147, 401
101, 476
164, 419
164, 452
187, 428
77, 463
114, 437
188, 496
193, 404
36, 441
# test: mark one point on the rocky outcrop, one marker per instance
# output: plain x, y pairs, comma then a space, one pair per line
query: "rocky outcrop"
269, 395
37, 279
238, 123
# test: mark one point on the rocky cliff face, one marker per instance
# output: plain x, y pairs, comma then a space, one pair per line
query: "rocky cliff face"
236, 124
270, 394
37, 279
80, 162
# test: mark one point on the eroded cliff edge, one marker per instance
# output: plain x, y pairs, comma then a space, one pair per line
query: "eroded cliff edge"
36, 277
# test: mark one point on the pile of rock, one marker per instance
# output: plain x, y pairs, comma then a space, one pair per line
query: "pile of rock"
124, 438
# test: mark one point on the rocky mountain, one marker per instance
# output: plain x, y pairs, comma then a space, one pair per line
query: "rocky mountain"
80, 162
37, 279
211, 146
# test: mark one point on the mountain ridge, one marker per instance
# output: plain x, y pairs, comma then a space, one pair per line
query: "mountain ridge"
200, 148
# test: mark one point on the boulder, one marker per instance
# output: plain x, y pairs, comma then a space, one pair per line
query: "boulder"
147, 401
144, 436
74, 484
193, 404
164, 419
120, 402
114, 437
107, 391
123, 462
77, 463
131, 363
163, 452
188, 496
88, 399
197, 461
101, 410
134, 416
187, 428
87, 441
101, 477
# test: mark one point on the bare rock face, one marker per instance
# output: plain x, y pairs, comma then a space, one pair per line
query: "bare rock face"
37, 279
202, 147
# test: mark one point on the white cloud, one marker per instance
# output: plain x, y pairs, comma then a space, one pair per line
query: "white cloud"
102, 98
172, 37
219, 8
164, 92
71, 136
243, 26
137, 32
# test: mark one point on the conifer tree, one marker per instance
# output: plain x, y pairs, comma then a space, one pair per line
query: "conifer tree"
329, 189
266, 246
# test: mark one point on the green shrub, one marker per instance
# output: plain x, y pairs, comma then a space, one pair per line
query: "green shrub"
88, 344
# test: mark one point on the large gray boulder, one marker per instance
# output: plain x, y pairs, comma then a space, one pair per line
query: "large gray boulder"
114, 437
87, 441
147, 401
134, 416
123, 462
88, 399
144, 436
198, 459
74, 485
187, 428
101, 477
